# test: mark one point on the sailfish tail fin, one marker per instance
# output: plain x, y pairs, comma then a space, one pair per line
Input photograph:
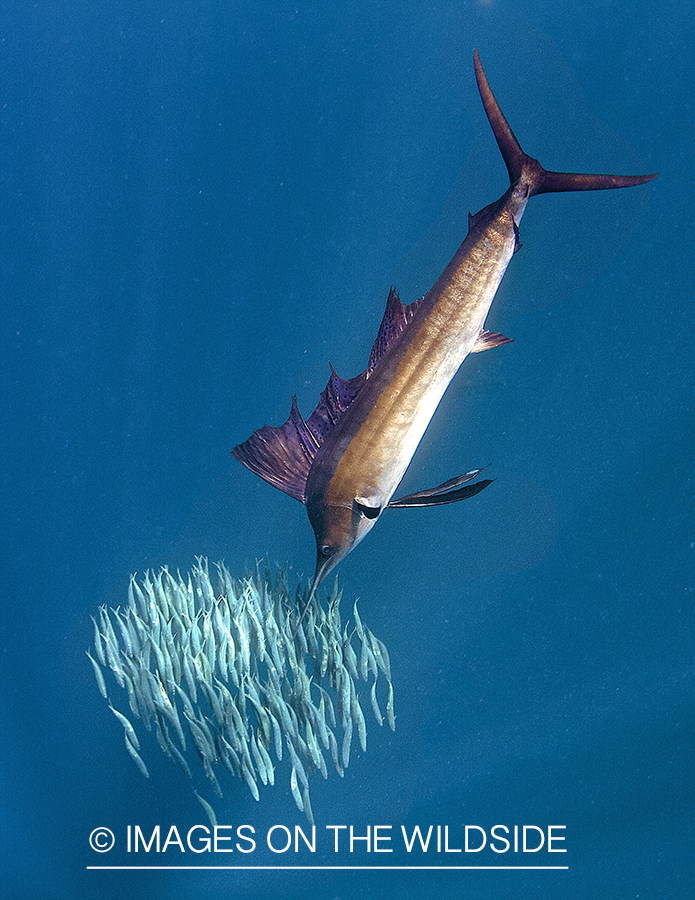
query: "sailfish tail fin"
527, 169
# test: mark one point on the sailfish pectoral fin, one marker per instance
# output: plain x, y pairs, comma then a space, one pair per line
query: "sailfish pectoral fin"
446, 492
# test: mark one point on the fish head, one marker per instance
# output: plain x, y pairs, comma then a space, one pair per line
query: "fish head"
338, 529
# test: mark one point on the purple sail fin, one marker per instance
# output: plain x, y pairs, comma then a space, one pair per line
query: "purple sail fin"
281, 454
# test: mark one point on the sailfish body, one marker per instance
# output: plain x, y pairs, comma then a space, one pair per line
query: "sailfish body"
346, 460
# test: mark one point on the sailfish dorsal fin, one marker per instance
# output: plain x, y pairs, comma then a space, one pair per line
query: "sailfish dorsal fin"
396, 318
283, 454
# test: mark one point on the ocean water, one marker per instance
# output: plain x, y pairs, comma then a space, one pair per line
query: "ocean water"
202, 204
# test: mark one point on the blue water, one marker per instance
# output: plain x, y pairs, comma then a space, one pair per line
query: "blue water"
203, 203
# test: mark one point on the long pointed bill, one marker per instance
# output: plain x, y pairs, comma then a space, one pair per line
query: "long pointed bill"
322, 569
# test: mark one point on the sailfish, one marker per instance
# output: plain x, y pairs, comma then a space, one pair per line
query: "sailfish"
346, 460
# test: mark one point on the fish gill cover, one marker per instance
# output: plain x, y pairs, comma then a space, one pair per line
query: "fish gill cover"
237, 677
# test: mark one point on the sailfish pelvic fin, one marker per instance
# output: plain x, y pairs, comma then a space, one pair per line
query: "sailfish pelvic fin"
447, 492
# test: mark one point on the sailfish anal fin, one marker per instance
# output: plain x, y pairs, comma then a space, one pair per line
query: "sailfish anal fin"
489, 339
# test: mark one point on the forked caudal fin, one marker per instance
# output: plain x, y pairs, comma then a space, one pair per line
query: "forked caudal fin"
527, 169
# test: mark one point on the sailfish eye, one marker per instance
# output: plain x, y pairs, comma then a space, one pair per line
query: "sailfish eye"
327, 551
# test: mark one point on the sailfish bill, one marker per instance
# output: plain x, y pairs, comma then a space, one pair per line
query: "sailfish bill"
346, 460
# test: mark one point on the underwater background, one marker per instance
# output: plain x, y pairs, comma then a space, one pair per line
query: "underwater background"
202, 204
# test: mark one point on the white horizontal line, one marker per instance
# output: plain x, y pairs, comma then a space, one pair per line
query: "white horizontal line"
335, 868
